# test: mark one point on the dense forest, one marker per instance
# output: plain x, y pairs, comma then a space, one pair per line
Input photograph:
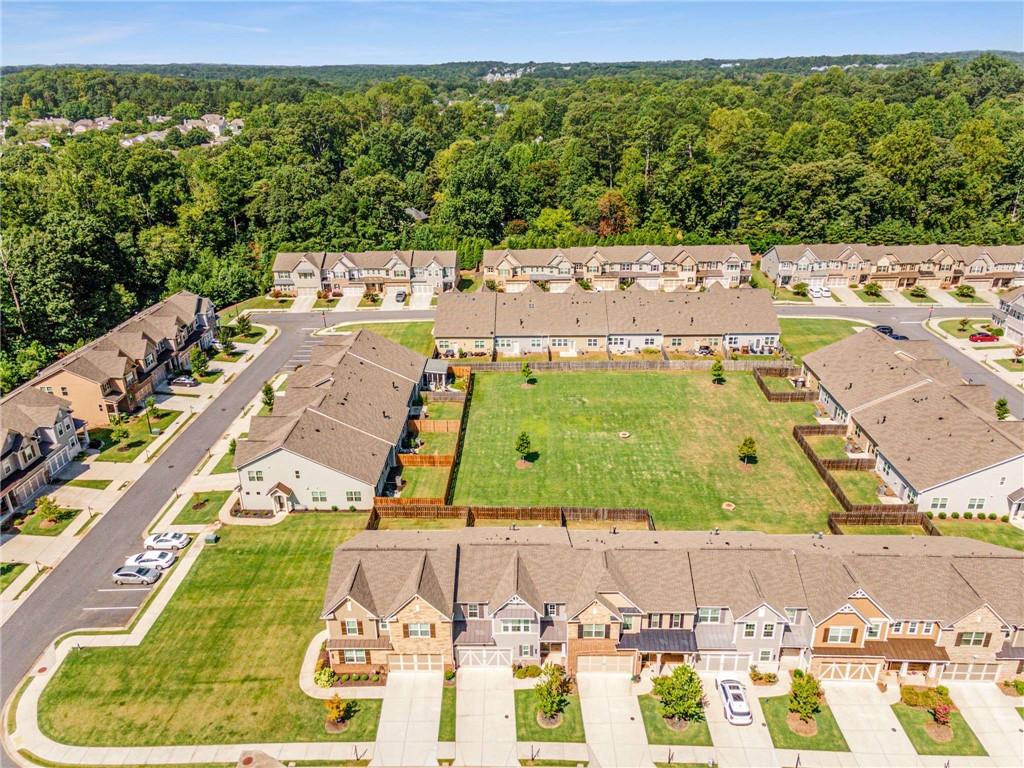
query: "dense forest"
930, 151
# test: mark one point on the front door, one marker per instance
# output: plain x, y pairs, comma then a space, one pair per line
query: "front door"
280, 503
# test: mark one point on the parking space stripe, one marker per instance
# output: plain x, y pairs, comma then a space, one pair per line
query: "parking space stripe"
113, 608
125, 589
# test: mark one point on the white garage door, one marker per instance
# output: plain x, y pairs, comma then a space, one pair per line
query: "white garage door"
846, 670
485, 657
422, 288
605, 664
307, 291
416, 661
353, 290
723, 662
970, 672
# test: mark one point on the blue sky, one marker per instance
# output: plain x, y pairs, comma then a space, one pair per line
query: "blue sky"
258, 32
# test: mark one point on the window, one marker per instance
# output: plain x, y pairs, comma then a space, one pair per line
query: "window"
593, 630
617, 341
874, 630
525, 650
897, 628
318, 496
383, 624
927, 627
353, 495
355, 656
648, 341
419, 630
255, 476
351, 626
47, 390
840, 635
940, 502
676, 342
971, 638
443, 344
911, 627
515, 625
479, 343
975, 503
592, 342
64, 392
550, 609
749, 630
559, 342
768, 631
709, 615
655, 621
765, 654
732, 341
627, 622
676, 621
791, 615
472, 611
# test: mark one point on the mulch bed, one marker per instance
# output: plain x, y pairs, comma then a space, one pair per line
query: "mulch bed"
251, 513
549, 723
332, 726
522, 464
801, 727
677, 725
940, 733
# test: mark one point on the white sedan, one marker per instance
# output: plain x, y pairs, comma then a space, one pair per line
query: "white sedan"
734, 701
159, 560
167, 540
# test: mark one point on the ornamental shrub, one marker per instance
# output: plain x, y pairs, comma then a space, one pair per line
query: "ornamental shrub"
325, 678
681, 694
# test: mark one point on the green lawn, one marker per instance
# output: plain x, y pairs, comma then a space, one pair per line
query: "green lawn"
224, 465
952, 327
759, 279
415, 335
871, 299
828, 738
228, 357
696, 735
994, 532
9, 572
96, 485
33, 524
528, 729
860, 487
325, 303
210, 376
802, 336
256, 303
680, 459
221, 663
1020, 711
828, 446
420, 524
1011, 365
913, 721
439, 410
202, 508
967, 299
255, 334
884, 530
424, 482
446, 728
439, 443
138, 438
929, 299
468, 282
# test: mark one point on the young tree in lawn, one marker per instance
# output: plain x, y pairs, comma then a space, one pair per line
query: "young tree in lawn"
962, 325
800, 289
267, 396
527, 372
717, 372
748, 450
965, 291
47, 509
872, 289
552, 691
1018, 353
149, 406
232, 446
1002, 409
804, 695
919, 292
224, 337
523, 446
198, 361
243, 325
118, 431
338, 709
681, 694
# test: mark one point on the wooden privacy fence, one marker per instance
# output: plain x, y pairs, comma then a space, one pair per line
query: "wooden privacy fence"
432, 509
464, 367
800, 434
416, 426
898, 517
449, 396
793, 396
425, 460
449, 488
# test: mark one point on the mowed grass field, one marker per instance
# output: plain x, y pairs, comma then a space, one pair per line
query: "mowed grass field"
802, 335
416, 335
679, 462
221, 664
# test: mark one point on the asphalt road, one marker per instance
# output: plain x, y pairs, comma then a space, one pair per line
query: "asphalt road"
78, 593
71, 598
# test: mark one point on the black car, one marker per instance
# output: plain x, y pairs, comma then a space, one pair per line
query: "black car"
898, 337
885, 330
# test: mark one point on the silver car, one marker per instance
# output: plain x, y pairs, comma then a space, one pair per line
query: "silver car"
734, 701
158, 560
135, 574
167, 541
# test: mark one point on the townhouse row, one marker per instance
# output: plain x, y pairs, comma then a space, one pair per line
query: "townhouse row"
935, 439
845, 608
356, 273
609, 267
332, 439
1010, 316
112, 375
576, 322
895, 266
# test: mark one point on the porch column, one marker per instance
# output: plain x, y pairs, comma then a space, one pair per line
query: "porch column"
931, 670
903, 668
658, 661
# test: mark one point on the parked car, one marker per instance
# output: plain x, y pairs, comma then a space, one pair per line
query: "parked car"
167, 540
159, 559
815, 293
826, 291
734, 701
135, 574
885, 330
184, 381
983, 337
400, 297
898, 337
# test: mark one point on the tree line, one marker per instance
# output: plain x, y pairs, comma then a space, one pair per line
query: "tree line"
93, 232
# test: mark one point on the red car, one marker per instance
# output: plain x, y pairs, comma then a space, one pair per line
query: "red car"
983, 337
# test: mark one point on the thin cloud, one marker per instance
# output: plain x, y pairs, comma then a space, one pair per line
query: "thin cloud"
223, 26
106, 33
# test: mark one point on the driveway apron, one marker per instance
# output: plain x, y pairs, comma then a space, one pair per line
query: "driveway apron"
612, 720
872, 731
993, 718
485, 717
409, 719
738, 745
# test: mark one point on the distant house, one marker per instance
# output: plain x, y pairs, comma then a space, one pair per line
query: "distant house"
1010, 315
355, 273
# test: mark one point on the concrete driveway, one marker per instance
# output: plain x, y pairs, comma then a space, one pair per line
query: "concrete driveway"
348, 302
388, 300
738, 745
303, 304
409, 719
872, 731
421, 300
993, 718
485, 717
612, 720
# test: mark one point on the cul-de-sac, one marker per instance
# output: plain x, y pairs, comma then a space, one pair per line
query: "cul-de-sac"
613, 415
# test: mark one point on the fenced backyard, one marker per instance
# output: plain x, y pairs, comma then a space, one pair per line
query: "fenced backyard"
885, 519
423, 510
765, 375
464, 366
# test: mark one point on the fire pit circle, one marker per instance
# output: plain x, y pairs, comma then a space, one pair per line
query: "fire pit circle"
728, 506
624, 435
